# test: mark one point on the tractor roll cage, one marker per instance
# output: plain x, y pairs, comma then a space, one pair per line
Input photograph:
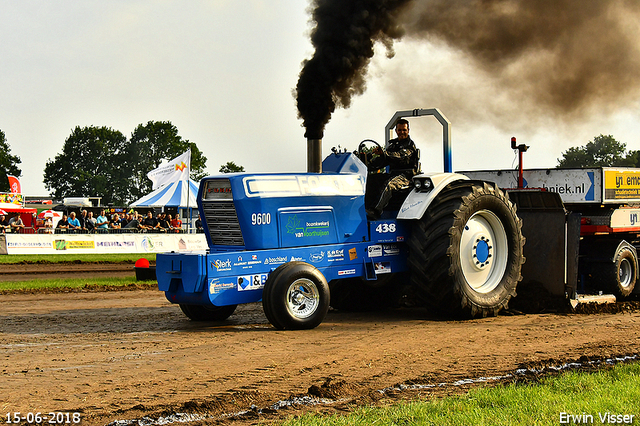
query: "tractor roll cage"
446, 131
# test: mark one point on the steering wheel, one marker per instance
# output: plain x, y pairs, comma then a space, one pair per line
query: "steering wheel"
366, 155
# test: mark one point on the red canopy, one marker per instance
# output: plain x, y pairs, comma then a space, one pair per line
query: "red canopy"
25, 214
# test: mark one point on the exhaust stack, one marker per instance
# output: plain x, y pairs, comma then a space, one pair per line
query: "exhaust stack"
314, 155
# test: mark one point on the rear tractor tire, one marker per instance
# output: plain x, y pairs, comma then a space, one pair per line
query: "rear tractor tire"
466, 253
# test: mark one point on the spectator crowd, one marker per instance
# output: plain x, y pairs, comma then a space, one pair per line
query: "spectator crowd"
11, 222
86, 223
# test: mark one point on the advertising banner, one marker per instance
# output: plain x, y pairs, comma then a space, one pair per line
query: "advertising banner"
573, 185
622, 185
102, 243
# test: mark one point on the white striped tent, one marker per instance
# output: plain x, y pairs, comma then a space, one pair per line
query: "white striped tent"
175, 194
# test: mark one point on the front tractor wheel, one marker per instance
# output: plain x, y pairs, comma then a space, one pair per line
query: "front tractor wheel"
296, 297
466, 252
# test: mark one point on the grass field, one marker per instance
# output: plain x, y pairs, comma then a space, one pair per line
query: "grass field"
73, 283
56, 258
606, 396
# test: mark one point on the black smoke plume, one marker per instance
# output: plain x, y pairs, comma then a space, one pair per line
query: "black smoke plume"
568, 56
343, 37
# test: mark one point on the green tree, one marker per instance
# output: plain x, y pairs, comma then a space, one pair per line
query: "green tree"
8, 164
634, 158
604, 151
150, 144
231, 167
93, 162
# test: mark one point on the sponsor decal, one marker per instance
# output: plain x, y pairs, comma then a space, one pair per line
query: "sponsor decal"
374, 251
29, 244
293, 258
254, 260
149, 245
335, 255
221, 265
252, 282
275, 260
72, 245
347, 272
80, 245
240, 262
390, 250
310, 229
215, 286
382, 267
316, 257
412, 205
353, 253
116, 244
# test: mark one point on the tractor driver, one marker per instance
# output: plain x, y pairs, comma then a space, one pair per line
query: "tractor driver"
402, 157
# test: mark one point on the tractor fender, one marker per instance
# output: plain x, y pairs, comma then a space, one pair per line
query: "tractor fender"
417, 202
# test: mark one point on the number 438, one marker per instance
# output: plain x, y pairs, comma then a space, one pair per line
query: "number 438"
384, 228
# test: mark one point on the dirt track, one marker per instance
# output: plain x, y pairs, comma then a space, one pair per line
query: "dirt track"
128, 354
31, 271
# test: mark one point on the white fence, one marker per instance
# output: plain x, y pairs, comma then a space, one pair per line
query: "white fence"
103, 243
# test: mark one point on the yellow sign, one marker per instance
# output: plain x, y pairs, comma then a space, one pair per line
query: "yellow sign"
621, 184
72, 245
353, 253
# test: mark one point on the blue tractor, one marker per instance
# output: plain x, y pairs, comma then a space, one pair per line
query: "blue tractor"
302, 242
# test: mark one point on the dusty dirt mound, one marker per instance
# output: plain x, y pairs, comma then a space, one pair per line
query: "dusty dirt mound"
339, 396
608, 308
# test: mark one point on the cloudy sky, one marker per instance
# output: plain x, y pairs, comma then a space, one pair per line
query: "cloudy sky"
223, 71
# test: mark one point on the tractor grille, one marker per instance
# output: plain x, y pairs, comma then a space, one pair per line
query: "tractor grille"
220, 214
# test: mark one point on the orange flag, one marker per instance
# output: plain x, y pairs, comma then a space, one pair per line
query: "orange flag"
14, 183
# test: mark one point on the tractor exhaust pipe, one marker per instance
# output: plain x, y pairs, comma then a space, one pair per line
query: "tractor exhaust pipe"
314, 155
